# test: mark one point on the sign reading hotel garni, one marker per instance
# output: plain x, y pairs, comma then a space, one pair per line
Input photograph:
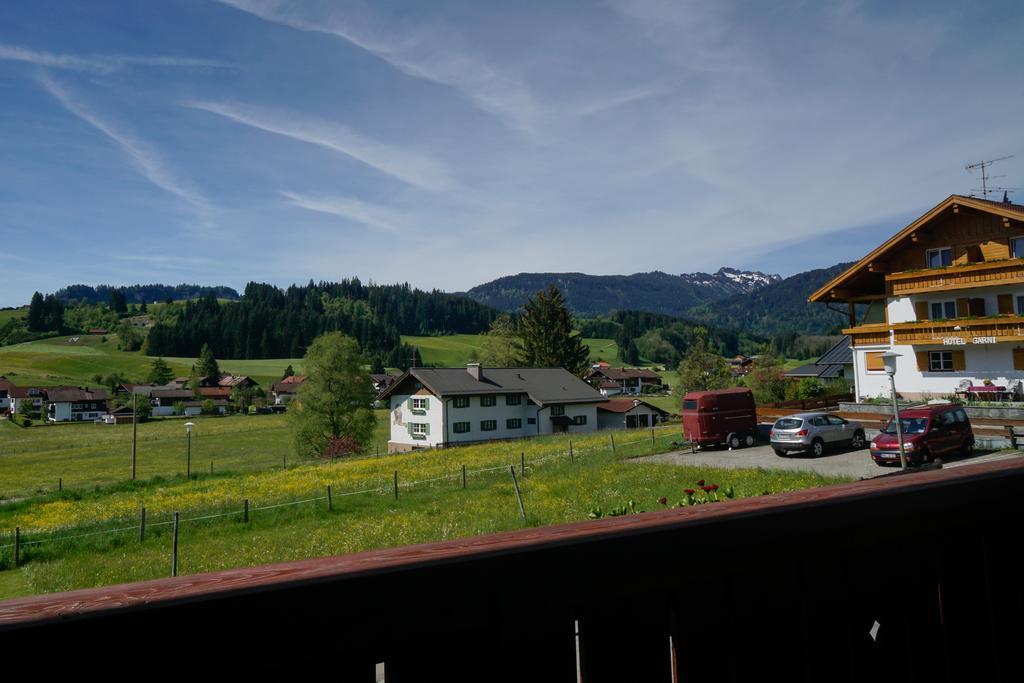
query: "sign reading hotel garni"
960, 341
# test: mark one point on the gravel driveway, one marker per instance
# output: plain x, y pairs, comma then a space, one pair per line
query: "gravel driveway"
843, 463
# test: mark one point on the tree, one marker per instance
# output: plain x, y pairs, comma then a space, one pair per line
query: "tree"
499, 344
288, 371
117, 302
702, 369
335, 400
143, 308
159, 372
546, 337
766, 381
632, 353
36, 313
208, 367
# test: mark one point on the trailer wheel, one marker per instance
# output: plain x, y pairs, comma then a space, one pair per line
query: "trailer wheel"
748, 440
734, 441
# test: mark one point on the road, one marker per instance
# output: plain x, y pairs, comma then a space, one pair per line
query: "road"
843, 463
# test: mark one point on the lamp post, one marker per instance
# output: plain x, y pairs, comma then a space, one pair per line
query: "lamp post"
188, 457
636, 402
889, 359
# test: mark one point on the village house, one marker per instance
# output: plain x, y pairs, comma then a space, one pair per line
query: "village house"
164, 400
612, 381
628, 413
431, 407
836, 363
382, 381
33, 396
740, 366
65, 404
5, 394
946, 293
285, 390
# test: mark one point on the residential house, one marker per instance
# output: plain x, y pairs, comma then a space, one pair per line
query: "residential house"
836, 363
215, 393
65, 404
444, 406
741, 365
33, 396
382, 381
193, 408
945, 293
612, 381
628, 413
285, 390
164, 400
5, 394
233, 382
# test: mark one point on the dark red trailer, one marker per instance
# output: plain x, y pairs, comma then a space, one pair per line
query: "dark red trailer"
720, 416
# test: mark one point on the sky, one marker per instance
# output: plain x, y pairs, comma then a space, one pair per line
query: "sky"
445, 144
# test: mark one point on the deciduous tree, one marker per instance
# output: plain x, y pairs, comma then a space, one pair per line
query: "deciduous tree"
702, 369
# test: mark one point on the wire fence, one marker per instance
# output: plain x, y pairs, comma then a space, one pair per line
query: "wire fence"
13, 551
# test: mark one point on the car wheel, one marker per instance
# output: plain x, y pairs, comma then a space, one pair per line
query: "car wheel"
781, 453
748, 440
817, 448
734, 441
920, 458
857, 442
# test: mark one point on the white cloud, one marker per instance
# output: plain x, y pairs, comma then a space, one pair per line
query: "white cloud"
102, 64
350, 208
142, 155
407, 165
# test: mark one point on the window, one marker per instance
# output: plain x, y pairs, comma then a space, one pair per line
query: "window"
1017, 247
531, 420
943, 309
513, 399
488, 425
420, 405
557, 410
874, 361
514, 423
419, 430
937, 258
460, 427
488, 401
940, 361
835, 421
1020, 305
579, 419
460, 402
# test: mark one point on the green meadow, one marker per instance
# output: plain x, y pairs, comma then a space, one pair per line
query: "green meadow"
455, 350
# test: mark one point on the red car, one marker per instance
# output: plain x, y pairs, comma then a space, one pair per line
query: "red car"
928, 432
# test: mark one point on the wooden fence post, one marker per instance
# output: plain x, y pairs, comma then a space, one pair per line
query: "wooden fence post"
571, 458
245, 511
142, 524
211, 468
612, 436
522, 464
174, 548
396, 484
519, 496
17, 545
330, 503
60, 483
463, 476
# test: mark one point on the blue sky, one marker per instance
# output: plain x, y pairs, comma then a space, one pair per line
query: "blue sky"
449, 143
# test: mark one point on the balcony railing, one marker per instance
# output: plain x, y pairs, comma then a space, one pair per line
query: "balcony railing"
972, 331
968, 276
910, 577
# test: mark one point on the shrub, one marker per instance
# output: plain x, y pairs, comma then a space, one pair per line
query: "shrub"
21, 420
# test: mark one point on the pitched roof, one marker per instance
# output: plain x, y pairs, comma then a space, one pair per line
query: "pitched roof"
625, 373
1008, 210
6, 383
27, 392
293, 379
69, 395
542, 385
172, 393
624, 405
840, 353
234, 380
283, 387
215, 392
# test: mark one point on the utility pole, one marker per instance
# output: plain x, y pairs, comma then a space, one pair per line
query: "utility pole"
135, 435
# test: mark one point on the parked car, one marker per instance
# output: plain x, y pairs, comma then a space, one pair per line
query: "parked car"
815, 432
928, 432
721, 416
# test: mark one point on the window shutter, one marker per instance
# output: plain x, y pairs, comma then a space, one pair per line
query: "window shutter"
1005, 304
874, 360
408, 427
963, 308
426, 428
922, 360
921, 310
426, 404
1018, 358
959, 363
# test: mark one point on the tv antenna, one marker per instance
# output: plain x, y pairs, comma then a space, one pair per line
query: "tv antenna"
985, 177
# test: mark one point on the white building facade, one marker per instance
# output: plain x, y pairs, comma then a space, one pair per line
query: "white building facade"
435, 407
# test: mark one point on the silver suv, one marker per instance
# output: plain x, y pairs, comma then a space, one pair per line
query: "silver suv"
815, 432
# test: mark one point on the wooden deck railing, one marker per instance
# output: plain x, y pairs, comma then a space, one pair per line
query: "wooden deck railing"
1008, 272
911, 577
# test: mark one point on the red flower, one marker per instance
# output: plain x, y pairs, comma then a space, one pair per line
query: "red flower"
700, 483
689, 492
713, 487
663, 500
706, 489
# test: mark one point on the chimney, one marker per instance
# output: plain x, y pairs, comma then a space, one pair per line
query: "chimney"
474, 370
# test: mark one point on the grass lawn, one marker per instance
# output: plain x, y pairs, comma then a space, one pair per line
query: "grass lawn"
554, 490
87, 455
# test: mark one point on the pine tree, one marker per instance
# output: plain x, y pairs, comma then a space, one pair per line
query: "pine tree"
159, 372
288, 371
208, 367
547, 337
36, 313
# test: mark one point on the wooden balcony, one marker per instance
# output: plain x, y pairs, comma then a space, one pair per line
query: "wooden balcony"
993, 329
1007, 272
906, 577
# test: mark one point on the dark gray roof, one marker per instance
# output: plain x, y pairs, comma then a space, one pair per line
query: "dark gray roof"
66, 395
840, 354
816, 370
542, 385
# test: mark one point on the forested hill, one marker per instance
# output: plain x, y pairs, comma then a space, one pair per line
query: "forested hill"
591, 295
779, 308
268, 322
137, 294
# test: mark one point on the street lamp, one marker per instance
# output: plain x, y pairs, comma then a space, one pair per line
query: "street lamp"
636, 402
188, 457
889, 359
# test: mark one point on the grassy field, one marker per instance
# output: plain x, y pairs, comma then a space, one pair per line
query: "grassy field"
554, 490
12, 313
454, 349
32, 460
